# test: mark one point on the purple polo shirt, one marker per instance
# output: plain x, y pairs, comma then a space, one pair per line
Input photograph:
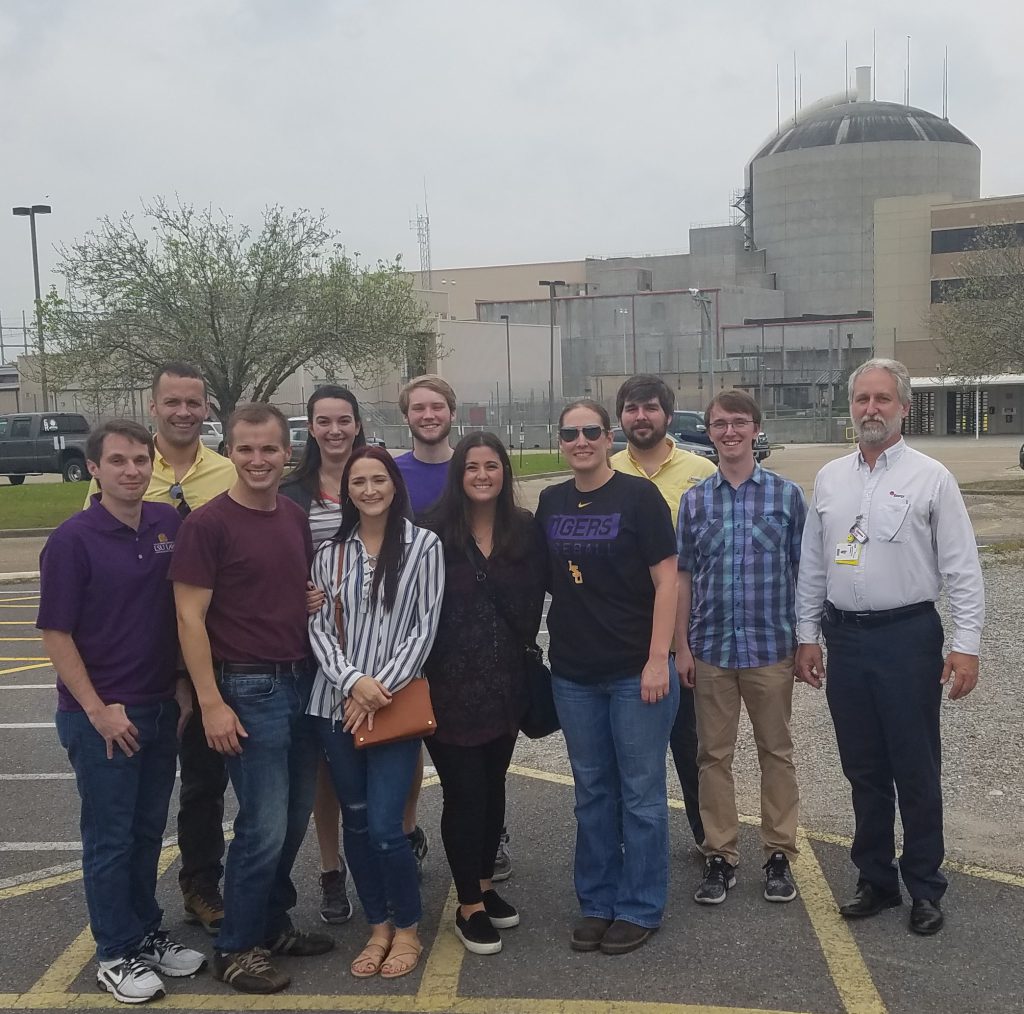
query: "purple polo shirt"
106, 585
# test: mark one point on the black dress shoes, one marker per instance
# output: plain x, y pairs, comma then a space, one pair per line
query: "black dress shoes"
925, 917
869, 900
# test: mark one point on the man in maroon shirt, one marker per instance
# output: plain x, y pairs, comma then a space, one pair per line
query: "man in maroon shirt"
240, 572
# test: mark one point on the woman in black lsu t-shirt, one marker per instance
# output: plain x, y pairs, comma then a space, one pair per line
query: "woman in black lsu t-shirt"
613, 599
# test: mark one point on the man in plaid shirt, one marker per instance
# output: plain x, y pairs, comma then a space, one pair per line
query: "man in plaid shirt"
739, 546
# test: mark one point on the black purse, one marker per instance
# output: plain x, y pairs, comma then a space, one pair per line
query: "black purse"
540, 718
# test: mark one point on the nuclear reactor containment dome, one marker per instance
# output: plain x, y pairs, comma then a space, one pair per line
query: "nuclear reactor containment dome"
812, 189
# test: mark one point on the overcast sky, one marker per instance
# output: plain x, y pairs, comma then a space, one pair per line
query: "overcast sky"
544, 130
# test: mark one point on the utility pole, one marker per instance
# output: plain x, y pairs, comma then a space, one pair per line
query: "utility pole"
551, 286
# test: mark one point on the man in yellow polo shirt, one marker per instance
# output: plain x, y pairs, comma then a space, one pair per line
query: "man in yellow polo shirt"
186, 475
644, 406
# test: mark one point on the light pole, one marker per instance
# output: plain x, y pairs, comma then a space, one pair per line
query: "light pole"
37, 209
551, 370
508, 367
703, 300
625, 365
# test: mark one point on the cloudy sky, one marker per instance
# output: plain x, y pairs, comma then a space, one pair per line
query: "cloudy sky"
543, 130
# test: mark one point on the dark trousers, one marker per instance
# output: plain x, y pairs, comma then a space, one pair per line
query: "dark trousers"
683, 743
884, 694
473, 784
204, 780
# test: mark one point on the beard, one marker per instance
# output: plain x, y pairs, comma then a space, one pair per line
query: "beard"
646, 440
435, 438
876, 431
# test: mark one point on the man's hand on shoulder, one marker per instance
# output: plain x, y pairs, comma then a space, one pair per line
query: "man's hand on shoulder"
960, 671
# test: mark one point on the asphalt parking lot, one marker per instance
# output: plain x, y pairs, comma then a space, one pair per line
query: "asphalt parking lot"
744, 956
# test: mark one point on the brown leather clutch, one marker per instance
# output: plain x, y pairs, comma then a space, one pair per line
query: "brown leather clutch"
410, 715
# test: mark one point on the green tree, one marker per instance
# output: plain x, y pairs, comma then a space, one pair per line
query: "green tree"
979, 320
248, 308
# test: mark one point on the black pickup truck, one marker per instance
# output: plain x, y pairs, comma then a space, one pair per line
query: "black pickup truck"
34, 442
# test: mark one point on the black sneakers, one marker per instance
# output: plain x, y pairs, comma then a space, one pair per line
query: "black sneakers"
335, 904
420, 847
477, 933
298, 944
719, 878
778, 879
499, 911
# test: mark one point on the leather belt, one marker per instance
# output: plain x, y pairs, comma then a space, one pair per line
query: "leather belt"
875, 617
296, 669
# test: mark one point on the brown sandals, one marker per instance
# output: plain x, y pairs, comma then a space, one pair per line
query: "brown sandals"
403, 958
368, 961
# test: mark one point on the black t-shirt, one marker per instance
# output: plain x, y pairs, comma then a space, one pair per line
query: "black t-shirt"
602, 545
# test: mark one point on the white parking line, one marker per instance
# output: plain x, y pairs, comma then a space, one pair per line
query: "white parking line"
56, 776
40, 846
28, 686
28, 725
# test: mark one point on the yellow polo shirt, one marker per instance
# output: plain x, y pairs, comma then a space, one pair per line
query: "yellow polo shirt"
210, 475
678, 472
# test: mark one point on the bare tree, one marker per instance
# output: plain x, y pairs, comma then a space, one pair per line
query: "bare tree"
247, 308
979, 320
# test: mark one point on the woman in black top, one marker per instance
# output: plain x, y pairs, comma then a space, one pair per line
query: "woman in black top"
613, 601
495, 576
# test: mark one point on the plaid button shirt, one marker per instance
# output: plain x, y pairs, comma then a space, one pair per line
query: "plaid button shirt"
742, 547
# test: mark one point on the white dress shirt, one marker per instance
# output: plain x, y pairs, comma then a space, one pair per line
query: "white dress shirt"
390, 646
919, 536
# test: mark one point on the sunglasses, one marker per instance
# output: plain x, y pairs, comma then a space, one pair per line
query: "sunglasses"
569, 434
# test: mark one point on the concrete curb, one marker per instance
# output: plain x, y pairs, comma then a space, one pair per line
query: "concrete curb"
17, 578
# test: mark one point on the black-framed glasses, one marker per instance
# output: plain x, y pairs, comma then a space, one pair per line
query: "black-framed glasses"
568, 434
721, 425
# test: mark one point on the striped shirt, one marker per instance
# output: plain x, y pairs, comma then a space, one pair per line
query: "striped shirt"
742, 547
389, 646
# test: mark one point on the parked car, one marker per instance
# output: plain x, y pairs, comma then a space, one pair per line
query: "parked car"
212, 436
32, 443
689, 426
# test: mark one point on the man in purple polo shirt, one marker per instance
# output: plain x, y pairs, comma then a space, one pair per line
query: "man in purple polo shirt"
240, 573
107, 616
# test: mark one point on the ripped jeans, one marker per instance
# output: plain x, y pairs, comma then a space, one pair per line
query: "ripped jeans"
372, 786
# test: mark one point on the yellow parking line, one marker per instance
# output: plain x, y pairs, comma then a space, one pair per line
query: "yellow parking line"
842, 955
19, 598
25, 668
440, 985
15, 623
18, 605
6, 639
25, 658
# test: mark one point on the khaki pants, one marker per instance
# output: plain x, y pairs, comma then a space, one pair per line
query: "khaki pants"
767, 693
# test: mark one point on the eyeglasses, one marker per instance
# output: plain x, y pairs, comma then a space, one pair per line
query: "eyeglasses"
569, 434
177, 493
721, 425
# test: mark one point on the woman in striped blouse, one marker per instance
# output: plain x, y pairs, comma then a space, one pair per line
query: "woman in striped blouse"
388, 578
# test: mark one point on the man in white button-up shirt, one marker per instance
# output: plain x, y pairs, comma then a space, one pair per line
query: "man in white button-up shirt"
886, 530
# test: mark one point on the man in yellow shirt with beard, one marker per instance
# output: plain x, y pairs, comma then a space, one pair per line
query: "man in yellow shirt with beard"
644, 406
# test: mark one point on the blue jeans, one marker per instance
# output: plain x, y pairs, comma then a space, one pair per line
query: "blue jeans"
274, 779
372, 786
617, 746
124, 811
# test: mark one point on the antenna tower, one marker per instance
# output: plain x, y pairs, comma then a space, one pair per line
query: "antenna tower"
421, 226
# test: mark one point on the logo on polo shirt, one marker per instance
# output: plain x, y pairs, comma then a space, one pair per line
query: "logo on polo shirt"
163, 544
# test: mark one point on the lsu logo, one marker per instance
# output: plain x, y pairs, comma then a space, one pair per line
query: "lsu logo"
163, 544
575, 572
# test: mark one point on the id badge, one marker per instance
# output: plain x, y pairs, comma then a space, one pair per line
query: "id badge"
848, 553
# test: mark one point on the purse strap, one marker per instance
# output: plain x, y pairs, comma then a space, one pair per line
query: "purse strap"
499, 608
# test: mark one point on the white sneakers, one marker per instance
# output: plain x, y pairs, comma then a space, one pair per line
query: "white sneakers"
133, 979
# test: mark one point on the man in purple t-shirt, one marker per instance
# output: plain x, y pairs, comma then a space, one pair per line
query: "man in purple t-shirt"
240, 573
107, 617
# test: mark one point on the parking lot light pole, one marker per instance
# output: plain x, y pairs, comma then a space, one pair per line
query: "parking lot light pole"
551, 371
37, 209
508, 367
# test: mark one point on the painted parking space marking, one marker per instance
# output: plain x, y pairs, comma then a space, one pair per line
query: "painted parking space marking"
28, 686
28, 725
25, 668
443, 967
